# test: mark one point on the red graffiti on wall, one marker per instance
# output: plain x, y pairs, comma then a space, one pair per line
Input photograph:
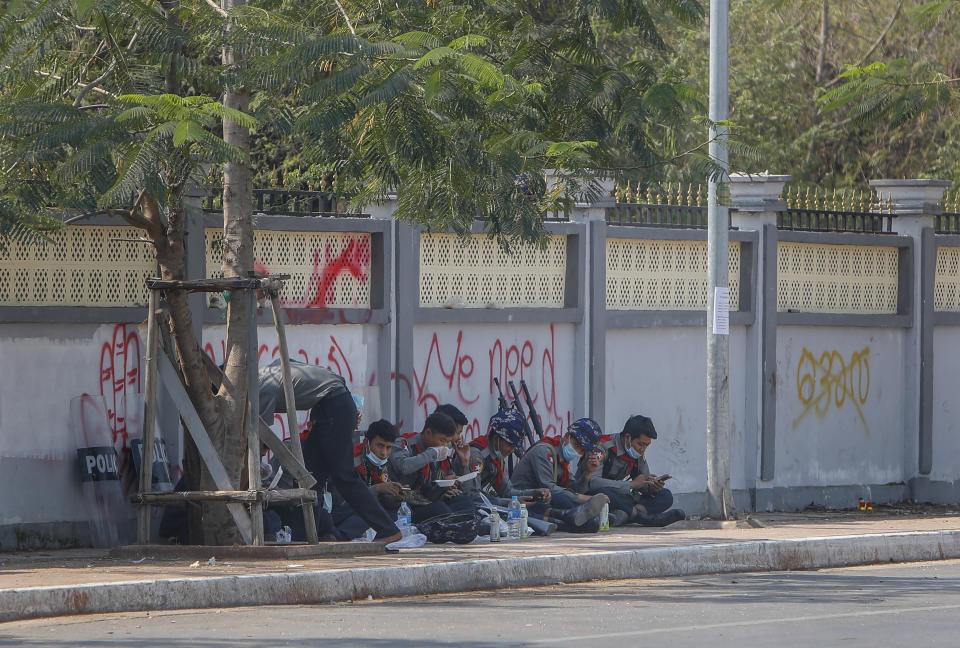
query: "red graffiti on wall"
512, 365
320, 289
336, 361
354, 259
459, 368
119, 376
507, 361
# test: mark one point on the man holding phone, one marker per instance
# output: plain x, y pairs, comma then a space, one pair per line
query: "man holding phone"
623, 475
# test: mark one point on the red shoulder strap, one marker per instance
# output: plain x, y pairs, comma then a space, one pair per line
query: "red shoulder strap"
480, 442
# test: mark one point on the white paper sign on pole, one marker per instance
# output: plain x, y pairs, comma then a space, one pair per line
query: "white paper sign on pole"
721, 310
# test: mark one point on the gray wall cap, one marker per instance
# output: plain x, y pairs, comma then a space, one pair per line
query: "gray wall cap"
912, 197
757, 192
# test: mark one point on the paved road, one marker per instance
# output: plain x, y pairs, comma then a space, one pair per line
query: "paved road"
894, 605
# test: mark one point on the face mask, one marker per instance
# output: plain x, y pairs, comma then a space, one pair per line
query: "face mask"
375, 460
633, 454
569, 453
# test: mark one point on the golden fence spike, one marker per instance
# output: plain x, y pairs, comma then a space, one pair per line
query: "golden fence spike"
690, 194
649, 195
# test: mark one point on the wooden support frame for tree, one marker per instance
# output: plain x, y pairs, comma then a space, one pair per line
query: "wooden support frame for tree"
159, 369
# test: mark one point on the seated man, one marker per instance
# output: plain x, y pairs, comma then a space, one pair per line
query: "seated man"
547, 465
328, 444
419, 460
626, 479
370, 458
488, 455
460, 461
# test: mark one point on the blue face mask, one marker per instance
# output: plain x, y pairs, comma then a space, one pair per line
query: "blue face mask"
633, 454
569, 454
375, 460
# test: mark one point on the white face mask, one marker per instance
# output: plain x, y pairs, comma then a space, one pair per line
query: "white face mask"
375, 460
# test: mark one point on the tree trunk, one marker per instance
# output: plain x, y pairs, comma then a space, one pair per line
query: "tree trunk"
237, 262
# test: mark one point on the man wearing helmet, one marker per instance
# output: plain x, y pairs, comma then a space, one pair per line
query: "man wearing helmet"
547, 465
626, 479
488, 455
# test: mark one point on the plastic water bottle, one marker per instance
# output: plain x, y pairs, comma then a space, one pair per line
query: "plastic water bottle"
404, 519
605, 517
513, 518
494, 526
524, 530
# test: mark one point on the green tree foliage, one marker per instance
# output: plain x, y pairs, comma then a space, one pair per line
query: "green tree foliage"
460, 107
782, 61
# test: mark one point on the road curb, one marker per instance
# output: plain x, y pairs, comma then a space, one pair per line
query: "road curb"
436, 578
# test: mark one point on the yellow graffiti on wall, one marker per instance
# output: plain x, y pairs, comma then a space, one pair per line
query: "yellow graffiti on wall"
831, 381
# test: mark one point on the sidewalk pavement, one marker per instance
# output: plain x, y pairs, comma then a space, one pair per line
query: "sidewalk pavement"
52, 583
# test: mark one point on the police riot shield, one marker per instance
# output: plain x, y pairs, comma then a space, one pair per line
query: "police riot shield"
101, 467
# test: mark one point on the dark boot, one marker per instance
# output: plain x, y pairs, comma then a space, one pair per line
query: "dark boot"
565, 521
618, 518
580, 514
660, 520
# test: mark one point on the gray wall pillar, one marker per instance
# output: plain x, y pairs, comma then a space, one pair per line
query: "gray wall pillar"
755, 200
915, 204
387, 335
597, 315
590, 342
407, 283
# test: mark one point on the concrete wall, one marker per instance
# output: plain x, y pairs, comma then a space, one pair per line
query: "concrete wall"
457, 364
842, 394
839, 406
661, 373
43, 367
946, 404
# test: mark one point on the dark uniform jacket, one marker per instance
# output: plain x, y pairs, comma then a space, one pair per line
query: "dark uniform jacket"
311, 384
543, 466
370, 473
493, 474
416, 466
618, 467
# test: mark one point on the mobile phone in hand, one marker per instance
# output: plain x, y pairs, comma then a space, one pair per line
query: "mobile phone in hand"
664, 478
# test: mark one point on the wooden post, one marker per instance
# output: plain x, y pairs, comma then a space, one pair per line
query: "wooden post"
291, 407
253, 474
149, 418
252, 419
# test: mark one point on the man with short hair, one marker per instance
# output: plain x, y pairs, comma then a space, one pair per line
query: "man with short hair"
328, 444
626, 479
370, 458
547, 465
460, 461
419, 460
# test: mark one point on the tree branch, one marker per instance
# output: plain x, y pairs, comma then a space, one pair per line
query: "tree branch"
346, 17
876, 43
110, 68
218, 8
145, 215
